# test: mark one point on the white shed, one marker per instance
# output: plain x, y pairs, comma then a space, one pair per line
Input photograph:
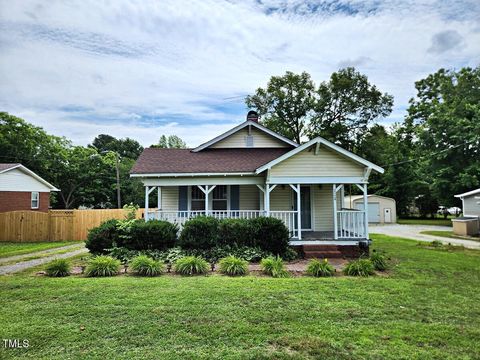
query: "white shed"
381, 209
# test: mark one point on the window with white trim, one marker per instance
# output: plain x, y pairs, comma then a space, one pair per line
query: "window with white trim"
35, 200
220, 198
198, 199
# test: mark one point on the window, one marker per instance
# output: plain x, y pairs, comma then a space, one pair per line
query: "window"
219, 198
198, 199
35, 200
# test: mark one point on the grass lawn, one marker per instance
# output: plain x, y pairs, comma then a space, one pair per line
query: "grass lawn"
11, 248
440, 222
448, 234
426, 308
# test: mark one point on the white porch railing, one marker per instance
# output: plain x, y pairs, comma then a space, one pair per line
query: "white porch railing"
351, 224
179, 217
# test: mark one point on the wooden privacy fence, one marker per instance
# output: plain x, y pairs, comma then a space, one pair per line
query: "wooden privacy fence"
56, 225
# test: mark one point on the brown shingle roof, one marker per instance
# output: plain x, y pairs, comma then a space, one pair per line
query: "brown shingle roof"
4, 166
164, 161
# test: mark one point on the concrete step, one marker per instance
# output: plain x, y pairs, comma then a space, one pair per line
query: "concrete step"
323, 254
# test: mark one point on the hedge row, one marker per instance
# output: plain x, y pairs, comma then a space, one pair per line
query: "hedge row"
201, 233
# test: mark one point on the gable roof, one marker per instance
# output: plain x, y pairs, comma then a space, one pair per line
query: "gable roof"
468, 193
358, 197
8, 167
240, 127
170, 162
328, 144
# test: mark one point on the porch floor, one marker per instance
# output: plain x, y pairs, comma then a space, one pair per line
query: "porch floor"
324, 237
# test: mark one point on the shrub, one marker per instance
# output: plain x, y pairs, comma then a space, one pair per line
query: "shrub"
146, 266
191, 265
436, 244
152, 234
360, 267
102, 266
290, 254
199, 233
379, 261
102, 237
239, 232
233, 266
122, 253
58, 268
319, 268
270, 234
274, 267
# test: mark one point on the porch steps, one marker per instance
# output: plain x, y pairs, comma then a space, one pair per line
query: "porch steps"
322, 251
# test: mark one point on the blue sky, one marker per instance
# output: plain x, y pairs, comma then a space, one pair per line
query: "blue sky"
146, 68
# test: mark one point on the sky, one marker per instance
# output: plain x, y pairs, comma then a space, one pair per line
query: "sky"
141, 69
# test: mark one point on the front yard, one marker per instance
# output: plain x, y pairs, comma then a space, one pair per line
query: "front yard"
426, 307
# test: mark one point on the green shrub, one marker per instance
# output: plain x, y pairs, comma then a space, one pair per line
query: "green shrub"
102, 266
290, 254
319, 268
218, 252
191, 265
274, 267
103, 237
122, 253
146, 266
270, 234
360, 267
233, 266
436, 244
58, 268
236, 232
199, 233
150, 235
379, 261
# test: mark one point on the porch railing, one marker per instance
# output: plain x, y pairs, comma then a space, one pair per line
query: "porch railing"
351, 224
179, 217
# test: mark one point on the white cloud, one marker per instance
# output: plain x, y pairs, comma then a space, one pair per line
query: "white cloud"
142, 68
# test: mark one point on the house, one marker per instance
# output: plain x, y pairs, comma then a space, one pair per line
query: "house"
381, 209
469, 223
22, 189
252, 171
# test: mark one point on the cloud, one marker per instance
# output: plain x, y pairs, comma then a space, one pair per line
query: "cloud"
445, 41
141, 69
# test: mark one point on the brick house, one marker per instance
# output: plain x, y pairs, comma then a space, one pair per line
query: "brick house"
22, 189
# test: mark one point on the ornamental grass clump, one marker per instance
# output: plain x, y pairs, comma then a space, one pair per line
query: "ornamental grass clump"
379, 261
58, 268
233, 266
319, 268
274, 266
102, 265
146, 266
360, 267
191, 265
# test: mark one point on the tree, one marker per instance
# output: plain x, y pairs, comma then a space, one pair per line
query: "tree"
345, 106
286, 103
124, 147
170, 142
445, 115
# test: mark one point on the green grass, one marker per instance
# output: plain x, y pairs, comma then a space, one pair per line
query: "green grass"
426, 308
439, 222
448, 234
11, 249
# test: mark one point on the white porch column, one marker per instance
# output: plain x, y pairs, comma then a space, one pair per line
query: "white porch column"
206, 190
268, 189
262, 201
146, 203
159, 198
335, 225
297, 188
365, 208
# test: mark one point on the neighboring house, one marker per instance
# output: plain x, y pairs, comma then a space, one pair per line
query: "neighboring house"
22, 189
381, 209
251, 171
469, 223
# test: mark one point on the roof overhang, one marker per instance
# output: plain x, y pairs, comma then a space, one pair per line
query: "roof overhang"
473, 192
166, 175
328, 144
32, 174
240, 127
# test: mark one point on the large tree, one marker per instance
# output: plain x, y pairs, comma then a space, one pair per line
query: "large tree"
170, 142
124, 147
445, 115
285, 104
345, 106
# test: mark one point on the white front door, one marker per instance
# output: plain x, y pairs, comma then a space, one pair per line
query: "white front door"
387, 215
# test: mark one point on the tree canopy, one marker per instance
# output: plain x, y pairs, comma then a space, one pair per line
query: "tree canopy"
170, 142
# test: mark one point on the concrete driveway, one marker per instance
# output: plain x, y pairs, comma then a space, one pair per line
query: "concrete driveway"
413, 232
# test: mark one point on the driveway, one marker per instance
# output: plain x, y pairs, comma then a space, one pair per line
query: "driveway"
413, 232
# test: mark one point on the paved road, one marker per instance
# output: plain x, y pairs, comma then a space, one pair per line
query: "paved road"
413, 232
40, 253
22, 265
